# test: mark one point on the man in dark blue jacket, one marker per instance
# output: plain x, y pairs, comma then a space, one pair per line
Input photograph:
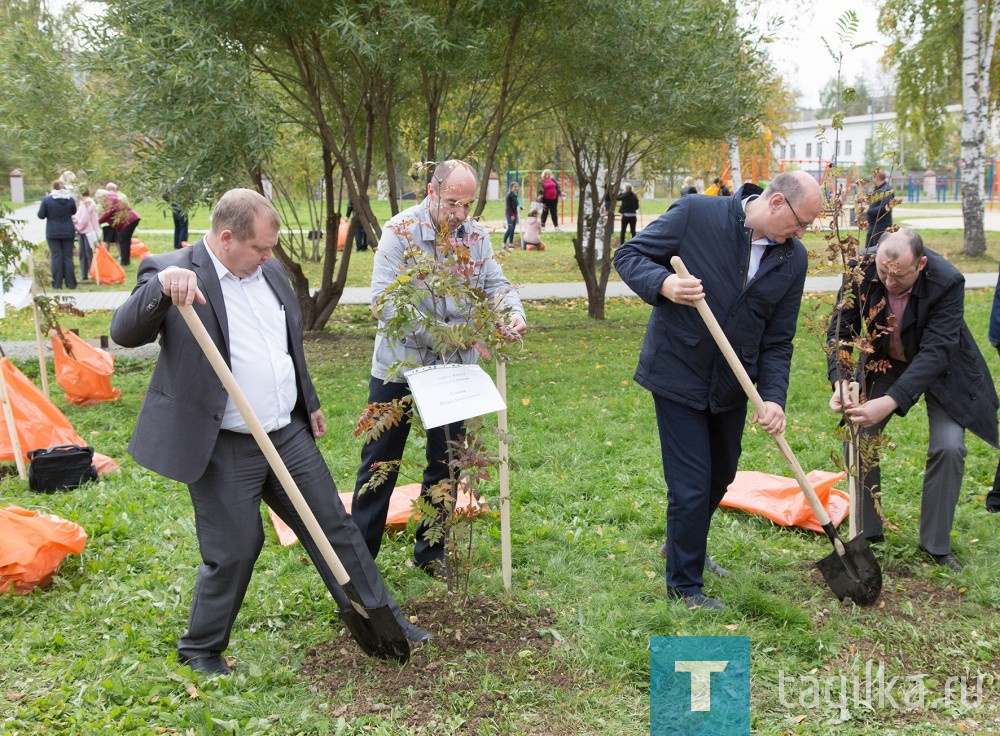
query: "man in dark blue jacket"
910, 304
879, 209
993, 499
747, 262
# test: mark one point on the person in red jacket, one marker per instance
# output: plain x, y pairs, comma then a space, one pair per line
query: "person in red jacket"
117, 213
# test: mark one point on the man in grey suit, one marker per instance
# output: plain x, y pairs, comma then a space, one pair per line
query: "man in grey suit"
189, 430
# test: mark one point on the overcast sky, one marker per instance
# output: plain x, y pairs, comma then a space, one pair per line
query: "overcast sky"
801, 57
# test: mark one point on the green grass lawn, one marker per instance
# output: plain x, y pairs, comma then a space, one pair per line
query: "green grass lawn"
94, 654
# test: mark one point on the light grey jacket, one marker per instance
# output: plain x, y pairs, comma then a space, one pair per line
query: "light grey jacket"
414, 226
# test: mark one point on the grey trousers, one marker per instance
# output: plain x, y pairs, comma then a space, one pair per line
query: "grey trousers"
942, 475
230, 533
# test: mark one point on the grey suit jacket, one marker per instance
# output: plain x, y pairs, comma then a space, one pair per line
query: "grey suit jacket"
181, 414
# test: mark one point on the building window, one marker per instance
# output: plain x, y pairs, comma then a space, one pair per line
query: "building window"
783, 151
809, 150
819, 150
838, 148
791, 153
847, 147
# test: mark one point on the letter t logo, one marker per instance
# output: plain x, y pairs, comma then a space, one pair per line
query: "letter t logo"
701, 680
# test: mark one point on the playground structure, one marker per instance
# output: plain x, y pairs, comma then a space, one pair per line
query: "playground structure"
946, 188
529, 181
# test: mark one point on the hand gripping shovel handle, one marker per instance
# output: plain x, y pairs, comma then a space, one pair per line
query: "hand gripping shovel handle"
268, 448
758, 404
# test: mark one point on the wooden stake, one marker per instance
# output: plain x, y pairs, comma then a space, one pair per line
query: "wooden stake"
8, 415
505, 552
39, 342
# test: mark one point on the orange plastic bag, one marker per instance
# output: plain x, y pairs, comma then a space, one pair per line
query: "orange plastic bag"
138, 249
85, 376
342, 233
38, 421
105, 269
780, 499
32, 546
400, 510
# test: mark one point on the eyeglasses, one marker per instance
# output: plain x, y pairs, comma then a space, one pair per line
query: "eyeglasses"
802, 225
456, 203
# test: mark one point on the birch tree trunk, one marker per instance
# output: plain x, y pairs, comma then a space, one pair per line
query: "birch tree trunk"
978, 42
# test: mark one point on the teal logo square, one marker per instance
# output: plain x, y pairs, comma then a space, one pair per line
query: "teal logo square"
699, 685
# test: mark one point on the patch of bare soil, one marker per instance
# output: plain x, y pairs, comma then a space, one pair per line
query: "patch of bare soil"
483, 641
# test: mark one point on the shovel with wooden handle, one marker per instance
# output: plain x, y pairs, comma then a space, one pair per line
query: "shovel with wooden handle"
851, 570
374, 629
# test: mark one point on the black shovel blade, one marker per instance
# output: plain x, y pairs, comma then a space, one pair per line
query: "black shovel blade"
376, 630
856, 575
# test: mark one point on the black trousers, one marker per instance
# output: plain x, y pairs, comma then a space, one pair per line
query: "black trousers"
628, 222
370, 508
701, 453
230, 534
551, 208
125, 242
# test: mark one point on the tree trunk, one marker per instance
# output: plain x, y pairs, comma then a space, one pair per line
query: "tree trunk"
977, 54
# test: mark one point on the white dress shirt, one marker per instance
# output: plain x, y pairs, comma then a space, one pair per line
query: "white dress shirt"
258, 350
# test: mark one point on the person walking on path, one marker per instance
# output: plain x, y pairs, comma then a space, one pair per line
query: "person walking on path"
87, 230
57, 209
512, 206
920, 345
444, 212
190, 430
548, 194
117, 213
629, 209
746, 259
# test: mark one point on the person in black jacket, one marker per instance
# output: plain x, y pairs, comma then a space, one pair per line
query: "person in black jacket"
879, 210
512, 207
629, 209
57, 209
748, 263
921, 345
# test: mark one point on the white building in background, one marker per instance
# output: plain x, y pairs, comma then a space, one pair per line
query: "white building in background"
810, 145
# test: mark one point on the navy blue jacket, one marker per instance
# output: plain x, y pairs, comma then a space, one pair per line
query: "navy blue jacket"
679, 358
879, 214
944, 358
58, 215
995, 318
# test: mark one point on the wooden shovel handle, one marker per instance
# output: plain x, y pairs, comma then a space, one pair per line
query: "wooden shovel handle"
751, 391
267, 447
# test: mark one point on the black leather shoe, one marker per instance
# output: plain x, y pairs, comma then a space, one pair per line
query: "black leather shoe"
209, 664
947, 560
416, 635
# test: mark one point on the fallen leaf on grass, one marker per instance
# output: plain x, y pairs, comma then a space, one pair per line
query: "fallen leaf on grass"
192, 692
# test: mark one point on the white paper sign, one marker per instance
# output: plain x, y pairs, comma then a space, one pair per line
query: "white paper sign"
449, 393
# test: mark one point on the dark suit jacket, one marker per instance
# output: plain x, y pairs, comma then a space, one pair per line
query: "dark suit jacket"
181, 414
679, 358
944, 358
879, 214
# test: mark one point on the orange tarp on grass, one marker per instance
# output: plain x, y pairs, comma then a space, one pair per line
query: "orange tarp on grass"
780, 499
38, 421
32, 546
400, 510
